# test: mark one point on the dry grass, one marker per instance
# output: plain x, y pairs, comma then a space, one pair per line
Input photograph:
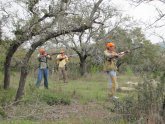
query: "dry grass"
86, 98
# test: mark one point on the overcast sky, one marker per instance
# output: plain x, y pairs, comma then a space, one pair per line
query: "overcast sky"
144, 14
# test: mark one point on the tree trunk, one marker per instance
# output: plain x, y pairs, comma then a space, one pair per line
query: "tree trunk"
163, 107
23, 76
24, 71
82, 65
7, 63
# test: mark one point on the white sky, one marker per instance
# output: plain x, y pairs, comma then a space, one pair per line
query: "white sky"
144, 13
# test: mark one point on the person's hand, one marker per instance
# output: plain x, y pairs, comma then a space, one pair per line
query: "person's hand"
64, 57
42, 55
121, 54
48, 56
115, 54
127, 51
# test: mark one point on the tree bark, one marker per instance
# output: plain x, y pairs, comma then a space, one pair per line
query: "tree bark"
82, 68
7, 64
23, 76
164, 105
83, 65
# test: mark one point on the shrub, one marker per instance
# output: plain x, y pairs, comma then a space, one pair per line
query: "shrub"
52, 99
145, 106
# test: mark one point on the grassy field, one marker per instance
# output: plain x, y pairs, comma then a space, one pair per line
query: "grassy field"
81, 101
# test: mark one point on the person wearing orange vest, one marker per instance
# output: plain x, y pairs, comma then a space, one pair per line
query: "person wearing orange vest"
110, 67
43, 68
62, 60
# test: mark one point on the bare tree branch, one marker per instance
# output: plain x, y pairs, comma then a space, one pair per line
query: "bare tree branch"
95, 9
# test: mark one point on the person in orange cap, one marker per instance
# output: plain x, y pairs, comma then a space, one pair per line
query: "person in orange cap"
43, 67
62, 60
110, 67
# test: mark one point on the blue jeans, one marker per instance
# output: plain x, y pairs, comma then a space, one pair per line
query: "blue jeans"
111, 74
42, 72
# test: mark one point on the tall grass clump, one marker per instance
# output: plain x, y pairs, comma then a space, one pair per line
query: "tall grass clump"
51, 97
145, 106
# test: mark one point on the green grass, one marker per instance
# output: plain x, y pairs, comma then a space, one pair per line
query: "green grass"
71, 120
87, 90
19, 122
83, 91
7, 96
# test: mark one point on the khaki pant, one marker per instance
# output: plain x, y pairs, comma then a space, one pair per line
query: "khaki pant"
62, 74
113, 89
112, 82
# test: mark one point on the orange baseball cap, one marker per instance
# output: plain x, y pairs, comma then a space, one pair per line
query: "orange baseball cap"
110, 45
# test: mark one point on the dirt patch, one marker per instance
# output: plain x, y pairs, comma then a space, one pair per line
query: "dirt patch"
43, 112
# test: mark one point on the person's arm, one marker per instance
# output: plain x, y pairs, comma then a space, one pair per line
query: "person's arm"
66, 58
48, 57
59, 57
111, 55
121, 54
44, 55
38, 57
